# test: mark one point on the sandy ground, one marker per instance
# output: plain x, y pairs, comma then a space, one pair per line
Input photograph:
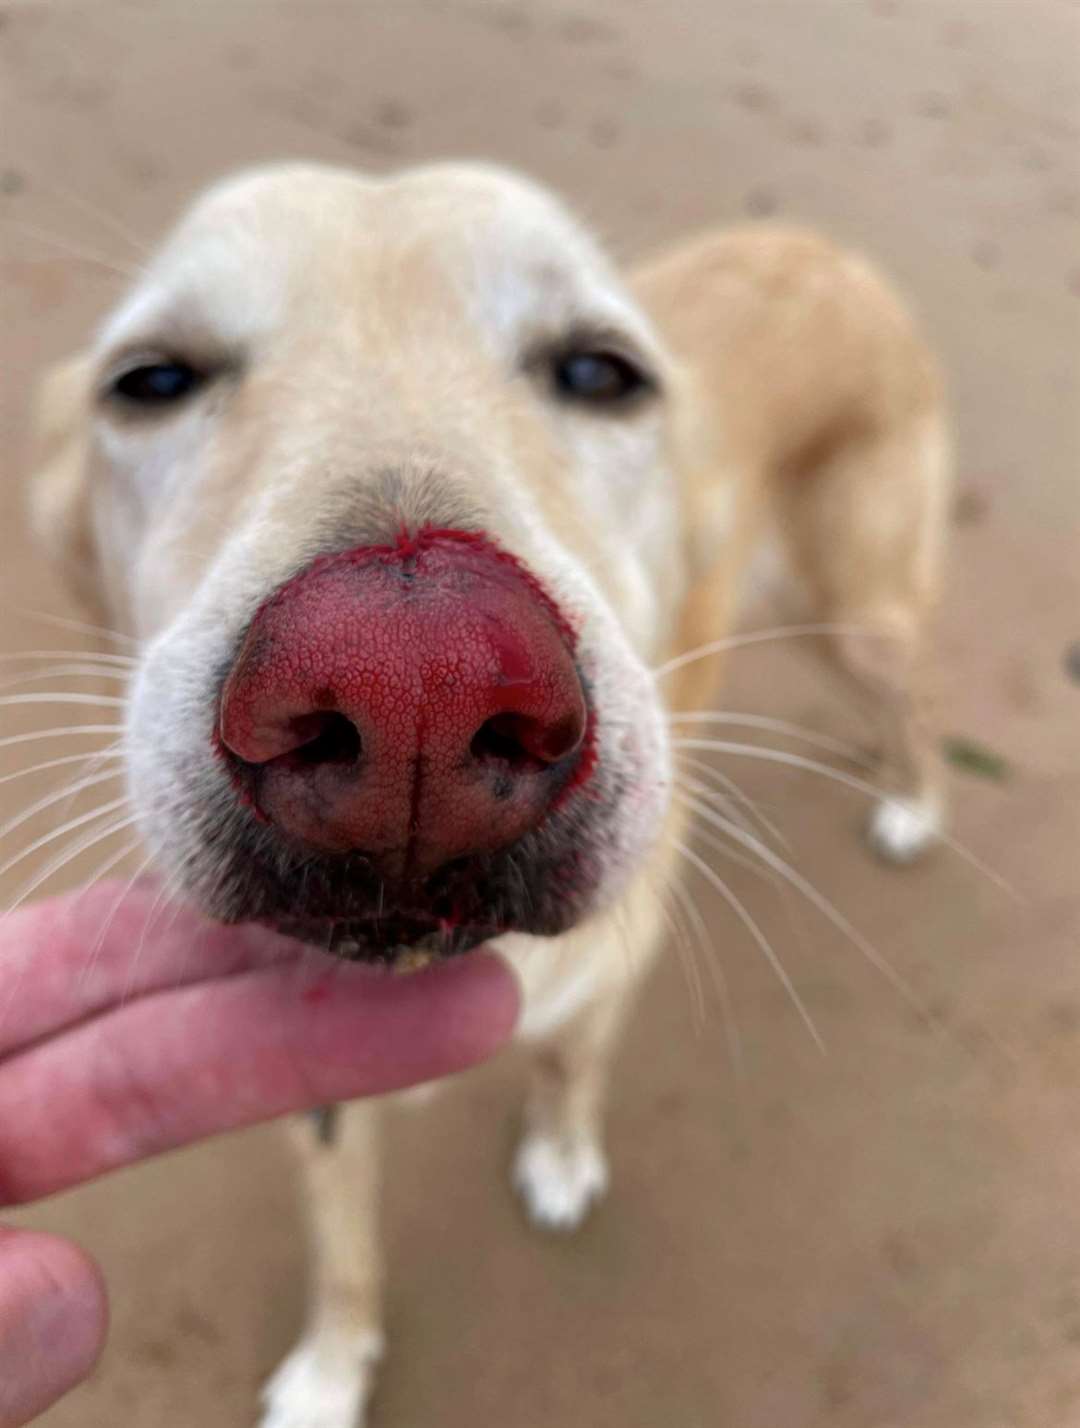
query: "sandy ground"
886, 1235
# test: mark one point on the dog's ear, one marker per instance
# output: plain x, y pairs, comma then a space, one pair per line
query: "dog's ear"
59, 483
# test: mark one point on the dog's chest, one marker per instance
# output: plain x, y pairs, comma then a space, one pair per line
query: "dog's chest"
556, 980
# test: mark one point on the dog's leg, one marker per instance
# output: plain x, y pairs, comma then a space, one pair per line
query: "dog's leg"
326, 1380
561, 1169
891, 665
866, 527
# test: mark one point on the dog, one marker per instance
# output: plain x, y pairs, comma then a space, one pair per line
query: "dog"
429, 523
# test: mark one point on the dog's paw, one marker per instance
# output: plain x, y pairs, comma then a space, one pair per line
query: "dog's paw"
901, 829
558, 1183
324, 1383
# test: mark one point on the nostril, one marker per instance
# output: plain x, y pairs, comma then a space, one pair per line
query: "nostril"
524, 743
326, 737
498, 740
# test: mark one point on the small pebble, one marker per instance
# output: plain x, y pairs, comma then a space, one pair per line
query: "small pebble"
760, 202
932, 106
604, 133
753, 97
392, 114
970, 507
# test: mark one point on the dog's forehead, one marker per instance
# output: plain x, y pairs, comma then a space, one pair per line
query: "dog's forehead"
275, 242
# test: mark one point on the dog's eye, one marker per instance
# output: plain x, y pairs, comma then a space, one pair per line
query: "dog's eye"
598, 378
156, 384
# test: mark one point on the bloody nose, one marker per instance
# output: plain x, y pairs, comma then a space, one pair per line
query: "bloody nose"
415, 703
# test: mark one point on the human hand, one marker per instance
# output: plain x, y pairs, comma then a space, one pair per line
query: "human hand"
127, 1029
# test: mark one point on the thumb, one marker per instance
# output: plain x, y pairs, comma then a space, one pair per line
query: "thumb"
53, 1319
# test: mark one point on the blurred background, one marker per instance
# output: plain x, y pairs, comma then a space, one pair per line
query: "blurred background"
885, 1235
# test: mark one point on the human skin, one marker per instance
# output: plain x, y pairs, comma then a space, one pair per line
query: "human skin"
128, 1027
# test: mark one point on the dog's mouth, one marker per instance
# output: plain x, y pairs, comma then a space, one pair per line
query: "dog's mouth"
349, 906
399, 941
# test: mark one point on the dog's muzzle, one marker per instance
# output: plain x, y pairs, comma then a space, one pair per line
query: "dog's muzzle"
410, 710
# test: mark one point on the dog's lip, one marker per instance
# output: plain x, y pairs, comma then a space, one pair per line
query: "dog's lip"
393, 941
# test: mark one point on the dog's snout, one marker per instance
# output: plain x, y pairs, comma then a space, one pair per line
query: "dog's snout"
415, 704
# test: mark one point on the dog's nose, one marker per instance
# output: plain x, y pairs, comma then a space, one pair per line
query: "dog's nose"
415, 704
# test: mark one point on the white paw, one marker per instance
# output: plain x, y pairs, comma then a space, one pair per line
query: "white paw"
558, 1182
901, 828
324, 1383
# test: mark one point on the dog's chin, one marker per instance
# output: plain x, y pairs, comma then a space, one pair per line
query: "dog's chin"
398, 941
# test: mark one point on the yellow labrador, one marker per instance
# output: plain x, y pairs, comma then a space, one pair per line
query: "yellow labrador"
408, 496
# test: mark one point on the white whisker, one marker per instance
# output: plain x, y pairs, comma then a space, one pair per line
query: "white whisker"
67, 827
110, 916
818, 900
63, 622
739, 859
619, 916
113, 753
83, 844
782, 889
756, 933
68, 855
91, 656
57, 796
70, 250
110, 701
720, 981
722, 796
81, 671
106, 866
100, 215
736, 793
781, 756
757, 637
61, 733
779, 726
685, 953
155, 907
